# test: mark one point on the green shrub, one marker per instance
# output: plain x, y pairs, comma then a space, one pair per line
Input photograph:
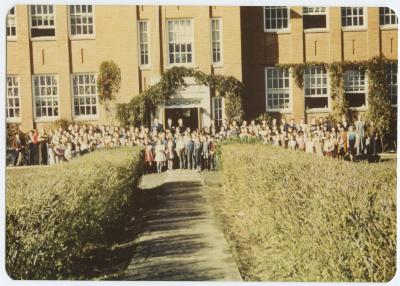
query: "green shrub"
56, 214
294, 217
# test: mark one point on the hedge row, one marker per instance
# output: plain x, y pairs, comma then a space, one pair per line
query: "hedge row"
295, 217
55, 214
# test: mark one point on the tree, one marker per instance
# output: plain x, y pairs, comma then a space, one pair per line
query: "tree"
108, 82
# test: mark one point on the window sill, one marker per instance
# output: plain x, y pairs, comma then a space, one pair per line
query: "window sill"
13, 120
218, 65
280, 31
193, 66
316, 30
283, 111
363, 108
318, 110
12, 39
79, 38
388, 27
145, 68
86, 118
46, 119
40, 39
354, 29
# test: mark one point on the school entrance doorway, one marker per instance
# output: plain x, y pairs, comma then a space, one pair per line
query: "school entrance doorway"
190, 117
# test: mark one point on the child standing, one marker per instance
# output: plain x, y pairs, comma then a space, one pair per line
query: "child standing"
160, 155
148, 156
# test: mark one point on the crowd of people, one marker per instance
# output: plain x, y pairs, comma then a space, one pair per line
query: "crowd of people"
177, 146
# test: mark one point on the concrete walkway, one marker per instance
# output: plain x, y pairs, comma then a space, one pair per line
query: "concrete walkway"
181, 238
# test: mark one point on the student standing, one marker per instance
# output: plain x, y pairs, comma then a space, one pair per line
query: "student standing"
160, 155
170, 153
189, 152
360, 133
148, 156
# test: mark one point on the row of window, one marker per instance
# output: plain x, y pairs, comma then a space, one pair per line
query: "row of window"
316, 91
46, 96
180, 41
84, 94
81, 20
277, 18
43, 22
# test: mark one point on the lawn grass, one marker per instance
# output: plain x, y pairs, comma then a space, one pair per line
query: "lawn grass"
291, 216
56, 215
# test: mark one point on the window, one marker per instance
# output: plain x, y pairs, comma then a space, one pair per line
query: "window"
13, 98
81, 19
46, 96
276, 18
315, 88
391, 73
143, 27
352, 16
84, 94
278, 96
216, 40
217, 110
11, 24
314, 17
42, 21
354, 85
180, 42
387, 16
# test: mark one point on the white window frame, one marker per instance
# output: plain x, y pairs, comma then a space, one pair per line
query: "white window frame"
290, 106
360, 108
357, 27
285, 30
326, 13
82, 36
221, 108
391, 25
14, 18
322, 109
14, 119
73, 96
45, 118
144, 66
221, 46
44, 38
191, 64
391, 85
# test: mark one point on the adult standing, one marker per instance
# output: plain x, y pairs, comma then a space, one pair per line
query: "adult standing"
33, 147
42, 147
156, 126
18, 146
360, 133
189, 152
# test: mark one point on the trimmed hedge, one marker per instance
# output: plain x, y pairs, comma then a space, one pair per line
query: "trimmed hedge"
55, 215
292, 216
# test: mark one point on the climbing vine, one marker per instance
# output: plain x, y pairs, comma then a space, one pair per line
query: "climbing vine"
139, 109
379, 104
380, 110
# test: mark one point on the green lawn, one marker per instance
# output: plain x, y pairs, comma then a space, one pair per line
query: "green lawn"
56, 215
291, 216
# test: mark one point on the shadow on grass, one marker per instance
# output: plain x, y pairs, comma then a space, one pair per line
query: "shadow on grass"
150, 210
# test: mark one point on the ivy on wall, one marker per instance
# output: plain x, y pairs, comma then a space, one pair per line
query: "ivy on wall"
379, 111
139, 109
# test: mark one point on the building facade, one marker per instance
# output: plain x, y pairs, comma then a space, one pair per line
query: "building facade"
54, 53
293, 35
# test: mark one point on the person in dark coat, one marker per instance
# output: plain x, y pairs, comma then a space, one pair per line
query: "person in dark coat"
189, 152
156, 126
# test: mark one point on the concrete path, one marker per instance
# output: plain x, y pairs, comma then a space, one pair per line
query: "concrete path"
181, 238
